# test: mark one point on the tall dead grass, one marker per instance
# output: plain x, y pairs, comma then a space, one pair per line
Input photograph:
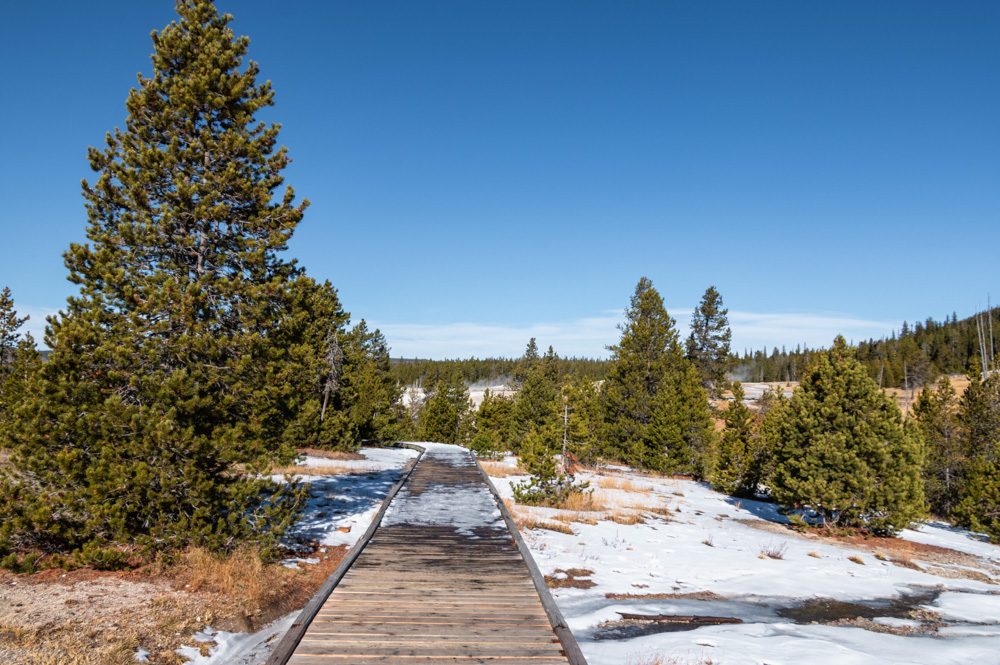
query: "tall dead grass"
68, 645
525, 520
501, 470
331, 469
242, 575
623, 484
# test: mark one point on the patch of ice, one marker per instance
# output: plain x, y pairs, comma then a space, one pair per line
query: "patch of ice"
141, 655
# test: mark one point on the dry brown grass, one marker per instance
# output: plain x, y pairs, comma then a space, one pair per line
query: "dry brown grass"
501, 470
323, 470
581, 502
626, 516
579, 518
906, 398
525, 520
856, 559
331, 454
241, 575
72, 645
624, 484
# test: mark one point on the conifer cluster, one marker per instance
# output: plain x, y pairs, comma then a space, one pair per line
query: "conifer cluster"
194, 355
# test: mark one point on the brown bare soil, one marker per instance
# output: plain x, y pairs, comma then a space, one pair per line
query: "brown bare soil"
575, 579
84, 617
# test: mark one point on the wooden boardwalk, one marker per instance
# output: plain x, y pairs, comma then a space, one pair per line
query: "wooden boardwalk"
441, 581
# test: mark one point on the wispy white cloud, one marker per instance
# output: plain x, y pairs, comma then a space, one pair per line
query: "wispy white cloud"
585, 337
590, 336
756, 330
579, 337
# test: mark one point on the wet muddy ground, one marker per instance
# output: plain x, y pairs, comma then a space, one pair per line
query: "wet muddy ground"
873, 614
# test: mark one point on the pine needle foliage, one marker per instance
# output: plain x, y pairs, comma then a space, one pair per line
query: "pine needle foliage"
843, 452
656, 414
741, 459
708, 345
979, 419
546, 486
947, 461
18, 359
143, 430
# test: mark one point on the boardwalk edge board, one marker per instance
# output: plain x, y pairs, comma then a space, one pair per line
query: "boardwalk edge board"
562, 631
286, 647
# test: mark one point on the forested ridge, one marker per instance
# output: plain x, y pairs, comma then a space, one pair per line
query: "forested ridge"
915, 357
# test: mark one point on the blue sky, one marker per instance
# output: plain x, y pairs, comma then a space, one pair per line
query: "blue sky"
481, 172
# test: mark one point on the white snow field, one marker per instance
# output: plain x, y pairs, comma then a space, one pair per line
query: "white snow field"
723, 566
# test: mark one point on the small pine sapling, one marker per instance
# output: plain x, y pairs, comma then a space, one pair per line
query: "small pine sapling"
546, 486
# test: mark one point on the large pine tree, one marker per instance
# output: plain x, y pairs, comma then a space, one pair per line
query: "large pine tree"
655, 414
708, 344
843, 452
134, 426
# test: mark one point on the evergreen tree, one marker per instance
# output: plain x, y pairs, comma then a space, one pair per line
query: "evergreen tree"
493, 424
979, 508
18, 359
947, 462
131, 430
584, 417
742, 456
708, 344
10, 323
655, 413
535, 405
527, 363
682, 429
446, 414
368, 391
648, 353
843, 452
305, 368
546, 486
979, 418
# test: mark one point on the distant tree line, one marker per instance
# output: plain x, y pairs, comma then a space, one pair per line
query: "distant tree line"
417, 372
915, 358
